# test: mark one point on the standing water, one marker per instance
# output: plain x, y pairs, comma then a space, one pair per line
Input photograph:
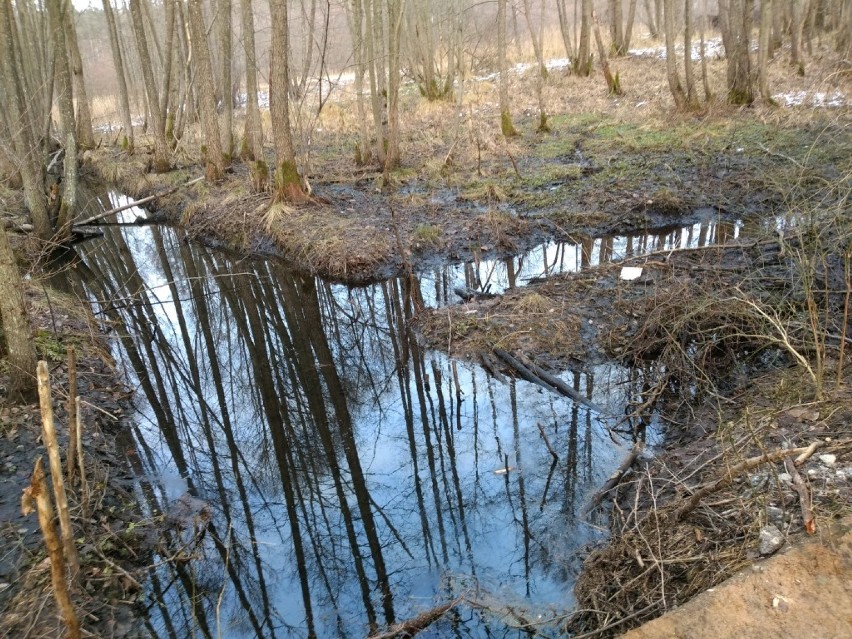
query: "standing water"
344, 478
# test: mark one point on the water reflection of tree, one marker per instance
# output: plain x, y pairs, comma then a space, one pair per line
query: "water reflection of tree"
272, 390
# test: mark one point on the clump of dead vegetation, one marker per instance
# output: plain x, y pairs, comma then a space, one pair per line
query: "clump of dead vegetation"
693, 517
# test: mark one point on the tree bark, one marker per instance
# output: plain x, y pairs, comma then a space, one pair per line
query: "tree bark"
20, 349
226, 51
27, 150
506, 126
737, 45
161, 147
763, 52
215, 165
253, 132
288, 184
689, 76
67, 125
118, 61
393, 157
583, 61
363, 152
671, 56
85, 134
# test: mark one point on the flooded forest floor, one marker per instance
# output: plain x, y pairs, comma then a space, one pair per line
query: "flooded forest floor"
742, 340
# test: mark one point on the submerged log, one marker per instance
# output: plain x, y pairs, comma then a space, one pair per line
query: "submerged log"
537, 375
411, 627
614, 479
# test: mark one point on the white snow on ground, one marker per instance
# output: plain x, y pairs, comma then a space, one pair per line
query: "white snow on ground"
808, 99
712, 49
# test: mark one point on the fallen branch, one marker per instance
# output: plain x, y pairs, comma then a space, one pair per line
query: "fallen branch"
804, 497
537, 375
728, 476
615, 478
144, 200
411, 627
547, 443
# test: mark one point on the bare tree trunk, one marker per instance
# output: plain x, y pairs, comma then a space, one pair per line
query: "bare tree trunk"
166, 115
226, 51
161, 147
118, 61
671, 55
708, 95
616, 26
506, 125
653, 25
738, 43
85, 134
20, 348
363, 152
689, 76
583, 61
763, 52
392, 157
252, 148
27, 150
613, 84
628, 29
67, 124
565, 30
541, 75
376, 66
207, 94
288, 184
796, 34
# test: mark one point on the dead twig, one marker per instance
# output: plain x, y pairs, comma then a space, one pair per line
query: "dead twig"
728, 476
804, 497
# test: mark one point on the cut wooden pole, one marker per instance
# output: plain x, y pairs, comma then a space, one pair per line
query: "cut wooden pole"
71, 408
37, 497
81, 464
56, 475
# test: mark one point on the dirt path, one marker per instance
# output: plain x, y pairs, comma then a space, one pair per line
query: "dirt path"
805, 593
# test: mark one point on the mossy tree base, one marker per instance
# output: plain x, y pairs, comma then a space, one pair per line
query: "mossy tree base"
288, 183
506, 125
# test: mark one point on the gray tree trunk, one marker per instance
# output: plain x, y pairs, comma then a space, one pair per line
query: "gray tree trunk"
27, 150
20, 348
161, 148
118, 61
67, 123
206, 91
506, 126
288, 184
253, 132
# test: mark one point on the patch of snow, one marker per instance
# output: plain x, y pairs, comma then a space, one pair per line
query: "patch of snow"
712, 49
807, 99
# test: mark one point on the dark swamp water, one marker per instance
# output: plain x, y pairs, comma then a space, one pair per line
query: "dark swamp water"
348, 478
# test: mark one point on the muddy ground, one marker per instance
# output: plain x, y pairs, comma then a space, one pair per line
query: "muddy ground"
109, 549
723, 377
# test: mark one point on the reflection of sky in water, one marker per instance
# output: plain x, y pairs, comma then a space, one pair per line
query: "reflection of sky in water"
494, 275
516, 535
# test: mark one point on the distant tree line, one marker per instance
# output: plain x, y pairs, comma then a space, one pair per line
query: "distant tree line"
168, 64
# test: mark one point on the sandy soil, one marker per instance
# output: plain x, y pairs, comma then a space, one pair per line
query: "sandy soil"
804, 593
